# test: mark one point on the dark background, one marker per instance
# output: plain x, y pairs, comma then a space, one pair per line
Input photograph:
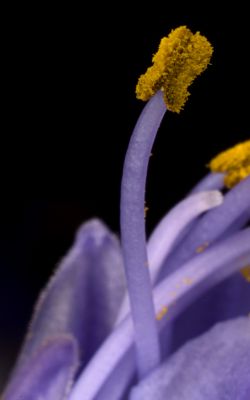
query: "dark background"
67, 114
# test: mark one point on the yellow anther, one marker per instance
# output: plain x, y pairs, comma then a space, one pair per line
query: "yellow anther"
161, 313
246, 273
234, 162
181, 57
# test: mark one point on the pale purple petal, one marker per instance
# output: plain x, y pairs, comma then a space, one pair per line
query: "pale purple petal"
105, 360
83, 297
215, 366
48, 374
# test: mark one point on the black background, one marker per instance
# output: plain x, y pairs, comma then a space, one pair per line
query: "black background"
67, 114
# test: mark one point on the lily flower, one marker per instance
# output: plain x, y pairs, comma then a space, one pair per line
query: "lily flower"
175, 326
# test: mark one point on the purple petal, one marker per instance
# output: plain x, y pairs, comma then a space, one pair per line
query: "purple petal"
83, 297
214, 366
48, 375
104, 362
229, 299
175, 293
216, 224
202, 273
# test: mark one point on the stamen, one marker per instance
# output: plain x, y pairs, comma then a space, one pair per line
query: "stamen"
212, 181
235, 162
133, 235
219, 222
181, 57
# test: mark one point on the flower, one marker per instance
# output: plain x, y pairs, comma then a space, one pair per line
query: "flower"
186, 334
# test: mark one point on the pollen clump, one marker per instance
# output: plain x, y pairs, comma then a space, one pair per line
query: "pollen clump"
162, 313
202, 248
234, 162
187, 281
181, 57
246, 273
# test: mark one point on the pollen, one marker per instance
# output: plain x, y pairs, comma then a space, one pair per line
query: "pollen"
187, 281
246, 273
161, 313
234, 162
202, 248
181, 57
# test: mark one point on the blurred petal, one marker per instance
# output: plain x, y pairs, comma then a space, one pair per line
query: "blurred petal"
48, 375
83, 297
214, 366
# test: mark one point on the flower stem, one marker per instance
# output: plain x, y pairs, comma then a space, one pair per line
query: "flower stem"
133, 235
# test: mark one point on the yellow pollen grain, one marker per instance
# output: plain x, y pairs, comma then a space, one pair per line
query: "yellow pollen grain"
246, 273
202, 248
187, 281
181, 57
161, 313
234, 162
